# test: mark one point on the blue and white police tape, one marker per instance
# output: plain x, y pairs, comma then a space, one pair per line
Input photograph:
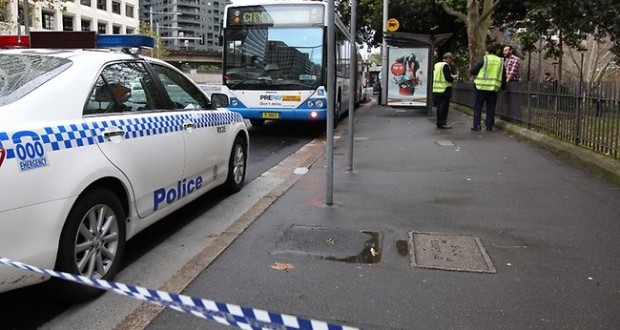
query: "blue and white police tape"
228, 314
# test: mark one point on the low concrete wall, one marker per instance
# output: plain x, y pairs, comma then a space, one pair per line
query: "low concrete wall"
206, 78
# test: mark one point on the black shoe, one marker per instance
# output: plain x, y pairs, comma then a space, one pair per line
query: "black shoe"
444, 126
489, 129
476, 128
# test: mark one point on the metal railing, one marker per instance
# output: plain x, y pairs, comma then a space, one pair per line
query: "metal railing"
589, 117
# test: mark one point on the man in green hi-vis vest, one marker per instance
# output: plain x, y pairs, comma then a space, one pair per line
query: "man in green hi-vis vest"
490, 76
442, 89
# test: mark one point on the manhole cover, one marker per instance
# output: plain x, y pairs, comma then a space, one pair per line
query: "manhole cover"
331, 244
449, 252
445, 143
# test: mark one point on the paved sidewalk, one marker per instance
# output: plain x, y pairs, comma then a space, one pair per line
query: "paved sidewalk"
550, 231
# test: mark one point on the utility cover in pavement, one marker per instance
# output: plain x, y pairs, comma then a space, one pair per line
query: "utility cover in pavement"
331, 244
449, 252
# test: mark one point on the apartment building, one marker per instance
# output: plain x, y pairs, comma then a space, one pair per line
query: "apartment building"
186, 24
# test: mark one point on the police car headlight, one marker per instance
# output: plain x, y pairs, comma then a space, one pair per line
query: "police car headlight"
234, 102
319, 103
310, 104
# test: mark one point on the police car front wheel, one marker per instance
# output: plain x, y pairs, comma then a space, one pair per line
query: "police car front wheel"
91, 244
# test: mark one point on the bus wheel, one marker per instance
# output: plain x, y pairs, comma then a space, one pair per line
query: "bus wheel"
257, 122
337, 111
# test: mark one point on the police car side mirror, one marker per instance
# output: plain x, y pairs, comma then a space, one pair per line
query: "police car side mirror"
219, 100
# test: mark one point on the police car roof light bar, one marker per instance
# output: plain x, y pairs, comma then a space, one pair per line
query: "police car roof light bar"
125, 41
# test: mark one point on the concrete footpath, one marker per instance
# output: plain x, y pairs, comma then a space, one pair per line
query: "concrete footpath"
442, 229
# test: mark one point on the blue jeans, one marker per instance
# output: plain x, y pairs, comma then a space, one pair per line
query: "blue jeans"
482, 97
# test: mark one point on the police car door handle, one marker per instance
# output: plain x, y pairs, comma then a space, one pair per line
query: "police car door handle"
189, 125
111, 134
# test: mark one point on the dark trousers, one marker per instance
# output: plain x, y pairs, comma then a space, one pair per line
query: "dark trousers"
482, 97
443, 103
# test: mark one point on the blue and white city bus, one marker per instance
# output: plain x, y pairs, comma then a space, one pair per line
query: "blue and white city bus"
274, 61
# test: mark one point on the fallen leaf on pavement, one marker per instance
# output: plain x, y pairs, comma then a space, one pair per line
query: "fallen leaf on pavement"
282, 266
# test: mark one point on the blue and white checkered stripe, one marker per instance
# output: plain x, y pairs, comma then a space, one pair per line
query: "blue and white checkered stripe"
228, 314
75, 135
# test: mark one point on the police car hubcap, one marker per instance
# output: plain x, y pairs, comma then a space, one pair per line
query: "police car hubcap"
239, 164
96, 242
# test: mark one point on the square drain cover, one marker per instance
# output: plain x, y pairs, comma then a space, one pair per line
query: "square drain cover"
449, 252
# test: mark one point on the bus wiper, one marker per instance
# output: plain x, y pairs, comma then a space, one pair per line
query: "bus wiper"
296, 83
259, 79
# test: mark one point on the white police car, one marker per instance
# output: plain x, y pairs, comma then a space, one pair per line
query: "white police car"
95, 146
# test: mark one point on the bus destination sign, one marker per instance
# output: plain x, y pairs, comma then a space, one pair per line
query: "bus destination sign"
276, 15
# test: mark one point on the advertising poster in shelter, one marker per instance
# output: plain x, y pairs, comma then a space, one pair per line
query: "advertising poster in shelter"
408, 76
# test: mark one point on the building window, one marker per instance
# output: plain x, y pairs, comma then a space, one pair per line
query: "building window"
129, 11
85, 25
101, 28
131, 31
86, 3
47, 20
102, 4
67, 23
116, 7
116, 29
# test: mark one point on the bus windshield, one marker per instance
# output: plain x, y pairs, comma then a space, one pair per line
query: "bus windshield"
273, 57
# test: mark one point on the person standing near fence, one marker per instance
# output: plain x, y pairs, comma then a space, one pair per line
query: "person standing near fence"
490, 76
513, 63
442, 89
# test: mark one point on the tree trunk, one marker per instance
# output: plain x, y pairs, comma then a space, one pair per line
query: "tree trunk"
478, 21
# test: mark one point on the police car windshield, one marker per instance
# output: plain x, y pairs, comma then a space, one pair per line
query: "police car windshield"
21, 74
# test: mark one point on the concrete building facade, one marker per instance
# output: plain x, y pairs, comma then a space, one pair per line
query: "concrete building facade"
101, 16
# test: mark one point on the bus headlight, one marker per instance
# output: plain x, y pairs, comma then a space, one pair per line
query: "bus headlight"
319, 103
234, 102
309, 104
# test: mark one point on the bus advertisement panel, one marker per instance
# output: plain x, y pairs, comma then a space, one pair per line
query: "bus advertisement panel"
274, 61
408, 76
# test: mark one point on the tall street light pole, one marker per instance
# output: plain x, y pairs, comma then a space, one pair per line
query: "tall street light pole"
352, 77
384, 53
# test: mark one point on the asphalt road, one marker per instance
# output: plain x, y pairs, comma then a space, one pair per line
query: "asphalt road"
269, 145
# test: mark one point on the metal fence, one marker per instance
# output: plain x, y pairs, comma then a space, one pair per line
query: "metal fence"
588, 117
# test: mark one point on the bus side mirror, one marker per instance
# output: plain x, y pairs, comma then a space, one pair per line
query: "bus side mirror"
219, 100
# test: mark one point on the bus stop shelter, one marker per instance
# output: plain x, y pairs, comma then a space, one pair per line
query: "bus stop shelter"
409, 71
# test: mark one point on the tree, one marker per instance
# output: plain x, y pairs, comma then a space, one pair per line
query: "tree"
565, 25
477, 17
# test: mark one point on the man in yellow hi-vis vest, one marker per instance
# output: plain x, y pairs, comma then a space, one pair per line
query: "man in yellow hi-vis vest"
490, 76
442, 89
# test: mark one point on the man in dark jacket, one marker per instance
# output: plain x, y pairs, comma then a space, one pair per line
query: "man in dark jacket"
442, 89
490, 76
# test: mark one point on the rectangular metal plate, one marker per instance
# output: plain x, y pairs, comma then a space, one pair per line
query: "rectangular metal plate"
449, 252
271, 115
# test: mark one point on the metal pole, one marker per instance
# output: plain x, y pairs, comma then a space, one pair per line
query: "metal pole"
151, 18
353, 77
26, 18
580, 100
384, 54
331, 93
